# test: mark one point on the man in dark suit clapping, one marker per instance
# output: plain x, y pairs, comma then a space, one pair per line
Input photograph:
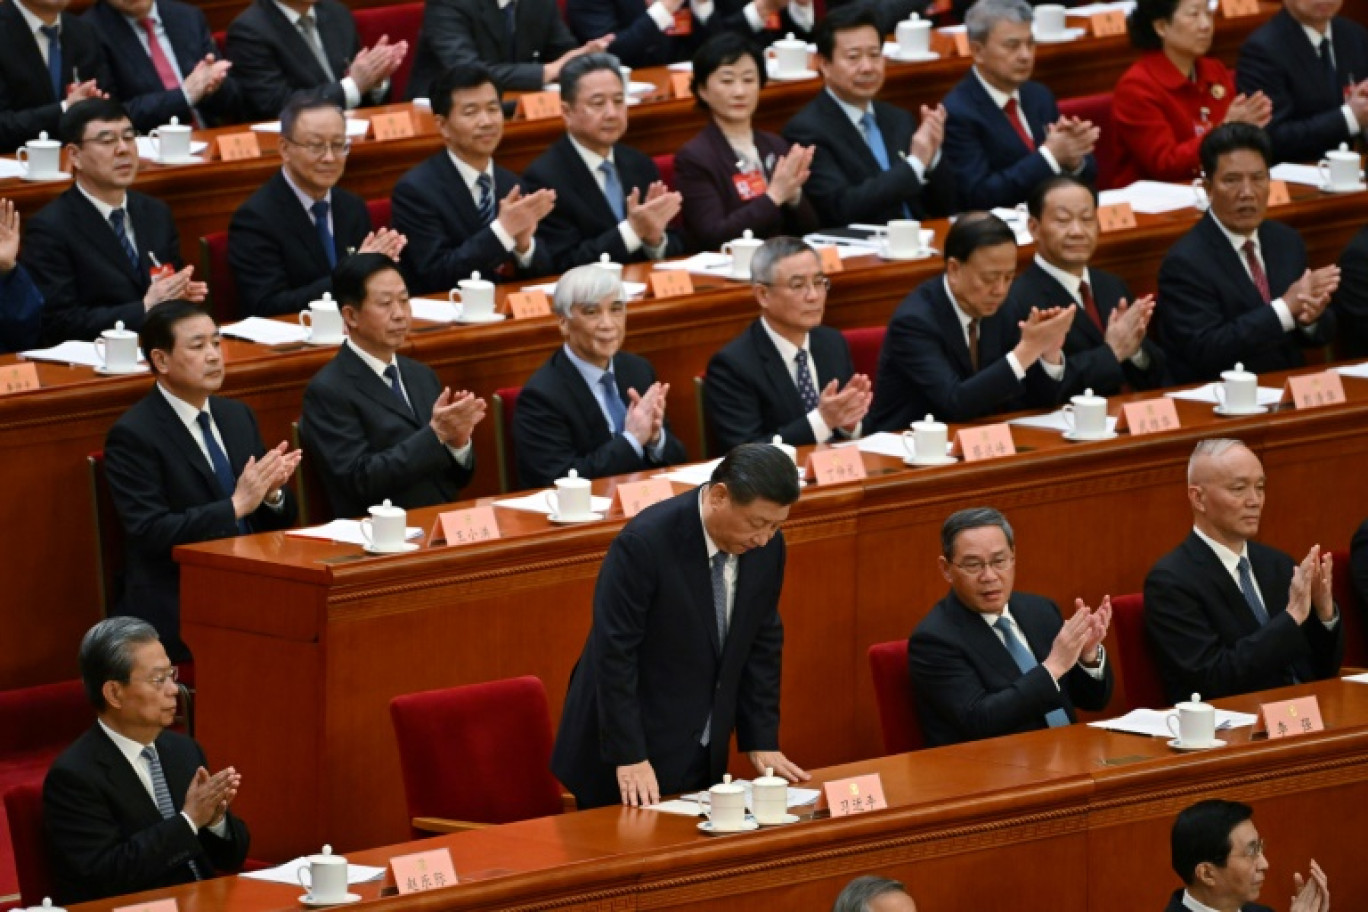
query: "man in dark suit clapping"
49, 60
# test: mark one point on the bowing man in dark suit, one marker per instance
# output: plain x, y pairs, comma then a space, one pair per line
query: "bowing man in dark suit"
686, 643
285, 241
1003, 133
592, 407
1226, 615
378, 425
953, 350
21, 303
1106, 345
131, 806
987, 661
786, 374
873, 162
1236, 288
609, 197
279, 47
92, 250
37, 85
460, 212
186, 466
1350, 303
1313, 64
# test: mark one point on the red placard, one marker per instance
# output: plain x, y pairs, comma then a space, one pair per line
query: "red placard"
990, 441
16, 378
539, 105
465, 527
1116, 217
529, 304
944, 43
1289, 717
856, 795
836, 465
830, 259
1312, 390
680, 85
398, 125
634, 496
423, 871
670, 283
157, 905
1150, 416
1112, 22
1233, 9
1277, 193
238, 146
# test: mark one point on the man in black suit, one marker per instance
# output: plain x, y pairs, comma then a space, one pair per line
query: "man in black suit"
187, 466
165, 64
953, 350
93, 250
1226, 615
1236, 288
786, 374
987, 661
592, 407
131, 806
644, 34
460, 212
380, 426
873, 163
1350, 302
686, 643
279, 47
36, 85
21, 303
285, 241
1312, 64
609, 197
1106, 345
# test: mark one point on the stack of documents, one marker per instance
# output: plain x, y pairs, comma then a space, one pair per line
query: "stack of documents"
347, 532
266, 332
72, 352
537, 502
288, 873
1207, 393
1151, 197
697, 474
1154, 722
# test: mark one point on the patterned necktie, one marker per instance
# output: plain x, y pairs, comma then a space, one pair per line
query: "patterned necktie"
309, 30
1014, 118
1025, 662
54, 37
485, 203
973, 345
806, 389
617, 412
163, 794
117, 221
1256, 271
719, 593
874, 137
612, 188
1251, 594
392, 375
1090, 305
325, 235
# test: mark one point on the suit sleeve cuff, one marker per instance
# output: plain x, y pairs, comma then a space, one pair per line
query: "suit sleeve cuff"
525, 259
803, 15
221, 830
636, 444
918, 167
657, 452
702, 10
1053, 371
1096, 673
630, 239
186, 817
753, 18
502, 234
1140, 359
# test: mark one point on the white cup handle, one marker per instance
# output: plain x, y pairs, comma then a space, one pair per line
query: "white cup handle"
100, 350
454, 296
727, 250
1221, 394
1323, 166
21, 154
1068, 411
155, 137
1169, 720
910, 443
307, 885
306, 319
366, 532
553, 501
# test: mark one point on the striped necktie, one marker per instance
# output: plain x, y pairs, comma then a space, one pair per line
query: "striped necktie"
163, 796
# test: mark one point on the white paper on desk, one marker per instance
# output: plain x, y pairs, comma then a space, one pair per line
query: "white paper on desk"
346, 531
356, 127
1308, 175
1359, 370
1154, 722
717, 265
10, 167
1207, 393
631, 289
288, 873
436, 310
797, 797
1054, 421
536, 503
677, 806
71, 352
266, 332
886, 443
1358, 678
1092, 9
1151, 197
1016, 220
697, 474
147, 148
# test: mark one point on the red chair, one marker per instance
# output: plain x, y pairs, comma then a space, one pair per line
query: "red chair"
902, 730
109, 536
214, 269
1098, 109
665, 165
505, 403
1138, 670
1351, 613
379, 213
476, 755
314, 507
402, 22
864, 348
24, 808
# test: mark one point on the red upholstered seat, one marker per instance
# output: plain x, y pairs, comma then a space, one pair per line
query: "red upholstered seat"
864, 348
401, 22
379, 213
479, 753
24, 808
1098, 109
505, 403
893, 691
1139, 674
665, 165
214, 269
1351, 612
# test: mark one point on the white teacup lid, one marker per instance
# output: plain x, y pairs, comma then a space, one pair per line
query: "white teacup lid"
386, 509
324, 303
606, 259
789, 41
769, 779
475, 282
47, 906
1089, 396
43, 140
1194, 703
929, 423
572, 480
913, 18
726, 787
1238, 372
747, 238
174, 122
327, 856
118, 332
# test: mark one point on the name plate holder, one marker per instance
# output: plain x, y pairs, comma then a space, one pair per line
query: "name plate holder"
238, 146
18, 378
634, 496
1233, 9
396, 125
1314, 390
856, 795
671, 283
830, 260
991, 441
836, 465
1112, 22
1151, 416
539, 105
1116, 217
1278, 194
1285, 718
465, 527
680, 85
423, 871
156, 905
525, 304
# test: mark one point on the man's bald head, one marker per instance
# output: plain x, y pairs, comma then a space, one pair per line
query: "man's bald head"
1226, 491
1205, 453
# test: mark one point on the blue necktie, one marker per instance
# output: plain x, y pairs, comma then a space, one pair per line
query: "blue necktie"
1251, 594
617, 412
392, 375
612, 188
117, 219
163, 794
325, 235
219, 460
54, 37
1025, 662
874, 136
486, 201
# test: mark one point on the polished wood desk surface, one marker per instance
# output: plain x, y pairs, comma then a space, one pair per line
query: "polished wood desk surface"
1078, 784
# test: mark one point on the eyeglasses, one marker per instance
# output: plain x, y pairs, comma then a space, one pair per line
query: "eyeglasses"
159, 678
109, 139
798, 285
1254, 849
976, 567
320, 149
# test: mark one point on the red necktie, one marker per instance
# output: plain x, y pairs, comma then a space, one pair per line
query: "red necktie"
1090, 306
165, 71
1014, 118
1256, 272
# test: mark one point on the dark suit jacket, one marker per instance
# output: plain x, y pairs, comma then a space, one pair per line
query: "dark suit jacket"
27, 105
21, 308
1358, 563
1206, 639
1176, 904
968, 685
652, 670
435, 210
166, 494
466, 31
277, 259
992, 165
559, 426
714, 211
847, 184
1350, 303
1279, 61
272, 61
81, 269
750, 394
136, 83
638, 41
582, 226
924, 366
368, 446
105, 835
1091, 362
1210, 315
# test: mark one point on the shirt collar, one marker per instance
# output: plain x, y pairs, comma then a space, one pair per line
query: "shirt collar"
469, 174
592, 159
100, 205
1000, 98
592, 373
1236, 240
855, 114
1315, 37
304, 199
708, 543
34, 23
292, 16
964, 318
186, 412
152, 14
370, 360
787, 350
127, 746
991, 619
1067, 279
1195, 905
1230, 559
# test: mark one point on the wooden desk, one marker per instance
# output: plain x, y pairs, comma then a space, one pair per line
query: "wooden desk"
1069, 819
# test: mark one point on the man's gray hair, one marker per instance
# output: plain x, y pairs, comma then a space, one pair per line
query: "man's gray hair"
771, 252
584, 285
857, 894
1211, 448
107, 654
578, 67
985, 14
973, 518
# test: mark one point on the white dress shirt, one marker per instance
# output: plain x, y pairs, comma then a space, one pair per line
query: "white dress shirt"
460, 454
1315, 37
471, 177
1072, 283
142, 768
630, 239
729, 568
1053, 371
105, 209
593, 376
308, 201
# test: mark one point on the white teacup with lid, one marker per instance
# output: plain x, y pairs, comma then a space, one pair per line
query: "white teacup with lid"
47, 906
171, 141
41, 157
572, 498
927, 439
1238, 390
727, 806
790, 56
325, 877
1086, 415
605, 261
914, 36
1049, 20
1194, 723
385, 528
903, 239
769, 799
118, 349
323, 319
1340, 168
476, 297
741, 250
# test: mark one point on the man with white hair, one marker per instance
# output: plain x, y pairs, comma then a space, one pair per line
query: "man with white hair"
874, 894
1226, 615
592, 407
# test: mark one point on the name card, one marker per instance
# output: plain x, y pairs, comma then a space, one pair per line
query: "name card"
1277, 193
1288, 717
670, 283
836, 465
680, 85
238, 146
990, 441
528, 304
1232, 9
465, 527
1312, 390
830, 259
398, 125
423, 871
158, 905
539, 105
1116, 217
1112, 22
857, 795
946, 45
16, 378
1151, 416
634, 496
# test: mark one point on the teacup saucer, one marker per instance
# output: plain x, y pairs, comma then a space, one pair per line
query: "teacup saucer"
1178, 745
572, 520
903, 258
405, 548
930, 460
1239, 413
47, 176
796, 76
1070, 435
178, 160
324, 343
347, 899
107, 372
1069, 34
784, 821
749, 824
480, 321
1343, 188
893, 53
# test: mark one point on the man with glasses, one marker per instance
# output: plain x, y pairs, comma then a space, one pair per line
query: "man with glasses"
987, 661
786, 374
131, 806
285, 241
94, 250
